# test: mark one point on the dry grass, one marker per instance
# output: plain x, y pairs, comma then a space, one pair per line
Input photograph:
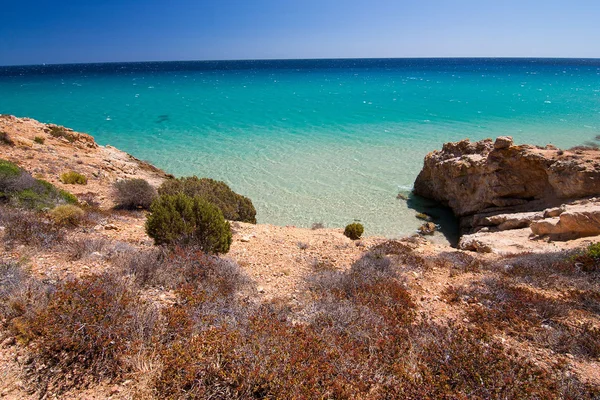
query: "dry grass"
29, 227
358, 336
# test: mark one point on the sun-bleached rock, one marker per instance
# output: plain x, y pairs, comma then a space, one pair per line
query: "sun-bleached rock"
471, 177
486, 177
577, 221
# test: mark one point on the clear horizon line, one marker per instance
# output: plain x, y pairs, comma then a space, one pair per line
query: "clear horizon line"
307, 59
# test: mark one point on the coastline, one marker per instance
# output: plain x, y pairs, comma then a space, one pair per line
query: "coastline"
446, 285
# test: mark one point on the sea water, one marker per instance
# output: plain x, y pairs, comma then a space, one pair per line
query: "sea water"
329, 141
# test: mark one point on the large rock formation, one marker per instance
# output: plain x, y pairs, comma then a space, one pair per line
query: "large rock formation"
486, 183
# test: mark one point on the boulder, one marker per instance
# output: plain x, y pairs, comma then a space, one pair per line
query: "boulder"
577, 221
428, 228
503, 142
498, 177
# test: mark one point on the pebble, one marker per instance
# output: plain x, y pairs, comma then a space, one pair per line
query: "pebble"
260, 289
111, 227
8, 342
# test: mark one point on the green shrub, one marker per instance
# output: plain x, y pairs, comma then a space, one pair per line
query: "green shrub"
354, 231
67, 214
182, 220
8, 169
134, 193
73, 178
17, 186
69, 198
39, 140
61, 132
234, 207
593, 250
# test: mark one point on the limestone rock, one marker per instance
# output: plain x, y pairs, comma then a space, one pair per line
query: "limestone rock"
503, 142
477, 177
554, 212
577, 221
473, 244
428, 228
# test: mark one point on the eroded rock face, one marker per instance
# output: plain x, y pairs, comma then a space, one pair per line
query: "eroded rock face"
576, 221
487, 177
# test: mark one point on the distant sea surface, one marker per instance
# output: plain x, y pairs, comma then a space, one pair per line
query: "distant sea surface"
329, 141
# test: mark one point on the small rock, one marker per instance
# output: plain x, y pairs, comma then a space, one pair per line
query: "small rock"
503, 142
423, 217
402, 196
25, 360
8, 342
554, 212
260, 289
114, 390
245, 239
474, 245
427, 228
111, 227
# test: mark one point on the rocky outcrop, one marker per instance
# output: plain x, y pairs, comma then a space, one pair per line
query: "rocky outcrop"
578, 220
486, 182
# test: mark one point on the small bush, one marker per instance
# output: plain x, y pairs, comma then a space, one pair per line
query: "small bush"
354, 231
87, 330
5, 139
67, 214
183, 220
62, 132
73, 178
134, 193
69, 198
20, 188
81, 248
21, 298
234, 207
30, 228
39, 140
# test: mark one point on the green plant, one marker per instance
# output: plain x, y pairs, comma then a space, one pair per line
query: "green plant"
183, 220
73, 178
593, 250
67, 214
68, 197
62, 132
39, 140
8, 169
20, 188
354, 231
134, 193
234, 207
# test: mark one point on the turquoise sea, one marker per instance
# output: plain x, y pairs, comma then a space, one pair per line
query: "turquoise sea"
329, 141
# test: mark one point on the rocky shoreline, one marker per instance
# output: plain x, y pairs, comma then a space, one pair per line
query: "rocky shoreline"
540, 194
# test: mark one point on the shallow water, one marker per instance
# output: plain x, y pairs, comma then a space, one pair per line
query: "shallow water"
329, 141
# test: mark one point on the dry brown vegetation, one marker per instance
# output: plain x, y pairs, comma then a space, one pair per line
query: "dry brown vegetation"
360, 333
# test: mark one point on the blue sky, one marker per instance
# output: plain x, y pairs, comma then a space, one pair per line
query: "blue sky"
65, 31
